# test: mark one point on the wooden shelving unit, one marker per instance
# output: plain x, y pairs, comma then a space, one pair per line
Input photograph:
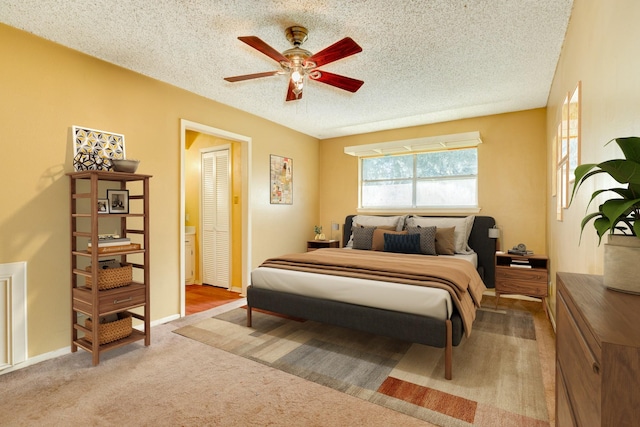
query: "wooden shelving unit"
85, 224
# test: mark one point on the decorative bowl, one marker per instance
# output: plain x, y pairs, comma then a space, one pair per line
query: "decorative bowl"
125, 165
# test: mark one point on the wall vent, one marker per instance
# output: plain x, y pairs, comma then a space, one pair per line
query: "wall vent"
13, 314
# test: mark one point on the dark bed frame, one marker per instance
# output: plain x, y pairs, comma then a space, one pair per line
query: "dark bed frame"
404, 326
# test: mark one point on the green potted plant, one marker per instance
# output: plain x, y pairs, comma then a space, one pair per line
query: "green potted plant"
318, 230
618, 216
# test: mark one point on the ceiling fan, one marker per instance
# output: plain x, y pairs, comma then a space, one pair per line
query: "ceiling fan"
299, 63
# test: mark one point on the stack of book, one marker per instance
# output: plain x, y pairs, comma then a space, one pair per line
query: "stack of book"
520, 263
113, 244
515, 251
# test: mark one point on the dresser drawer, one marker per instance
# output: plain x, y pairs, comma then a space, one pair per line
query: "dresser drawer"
534, 289
564, 410
578, 362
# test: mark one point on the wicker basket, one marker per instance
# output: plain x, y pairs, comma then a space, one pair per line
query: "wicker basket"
111, 331
110, 278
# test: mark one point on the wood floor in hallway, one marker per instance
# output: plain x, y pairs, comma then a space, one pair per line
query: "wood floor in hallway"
203, 297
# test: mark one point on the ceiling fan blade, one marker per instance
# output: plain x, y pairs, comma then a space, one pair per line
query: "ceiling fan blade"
291, 96
251, 76
342, 82
258, 44
342, 49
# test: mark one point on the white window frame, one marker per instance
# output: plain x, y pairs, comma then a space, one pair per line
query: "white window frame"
415, 146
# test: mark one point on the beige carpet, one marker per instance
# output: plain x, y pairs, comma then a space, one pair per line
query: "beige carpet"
498, 371
176, 382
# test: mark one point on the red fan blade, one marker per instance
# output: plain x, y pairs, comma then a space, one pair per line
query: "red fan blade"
258, 44
342, 82
342, 49
251, 76
291, 96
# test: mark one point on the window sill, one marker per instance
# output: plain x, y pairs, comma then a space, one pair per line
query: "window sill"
420, 211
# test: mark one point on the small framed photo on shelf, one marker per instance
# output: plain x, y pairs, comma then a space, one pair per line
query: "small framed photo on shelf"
103, 206
118, 201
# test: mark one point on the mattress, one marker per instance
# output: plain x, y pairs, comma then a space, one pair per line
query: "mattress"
420, 300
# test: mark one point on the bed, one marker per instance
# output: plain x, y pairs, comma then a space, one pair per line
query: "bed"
442, 325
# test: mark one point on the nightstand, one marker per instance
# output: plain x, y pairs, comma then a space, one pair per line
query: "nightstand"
523, 275
312, 245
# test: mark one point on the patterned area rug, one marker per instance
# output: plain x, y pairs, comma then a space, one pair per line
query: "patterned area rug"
502, 373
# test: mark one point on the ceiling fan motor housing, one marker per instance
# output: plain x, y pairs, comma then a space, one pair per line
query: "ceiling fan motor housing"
296, 35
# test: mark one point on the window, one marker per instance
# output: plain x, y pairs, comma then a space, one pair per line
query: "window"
566, 149
433, 179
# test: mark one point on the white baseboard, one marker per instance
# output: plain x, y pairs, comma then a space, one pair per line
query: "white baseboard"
37, 359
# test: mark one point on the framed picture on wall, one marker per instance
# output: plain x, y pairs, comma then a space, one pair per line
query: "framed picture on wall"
281, 180
118, 201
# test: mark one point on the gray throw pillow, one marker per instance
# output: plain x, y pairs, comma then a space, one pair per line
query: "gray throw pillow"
427, 239
363, 237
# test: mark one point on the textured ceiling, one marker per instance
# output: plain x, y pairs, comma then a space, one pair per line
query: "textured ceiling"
422, 61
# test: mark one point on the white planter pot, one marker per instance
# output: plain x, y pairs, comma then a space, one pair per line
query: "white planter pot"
622, 263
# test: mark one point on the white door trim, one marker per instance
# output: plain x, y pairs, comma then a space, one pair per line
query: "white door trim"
245, 143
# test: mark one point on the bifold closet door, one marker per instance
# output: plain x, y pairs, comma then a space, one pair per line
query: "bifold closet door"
216, 223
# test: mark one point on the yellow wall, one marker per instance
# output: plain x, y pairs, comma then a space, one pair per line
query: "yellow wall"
196, 142
45, 90
601, 50
511, 172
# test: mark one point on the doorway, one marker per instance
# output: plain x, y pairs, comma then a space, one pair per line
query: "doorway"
241, 203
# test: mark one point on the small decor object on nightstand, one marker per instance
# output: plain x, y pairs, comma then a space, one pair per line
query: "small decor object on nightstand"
318, 231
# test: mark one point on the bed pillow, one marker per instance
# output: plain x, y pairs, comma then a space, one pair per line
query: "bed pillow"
402, 243
378, 238
427, 239
386, 222
363, 237
445, 241
463, 226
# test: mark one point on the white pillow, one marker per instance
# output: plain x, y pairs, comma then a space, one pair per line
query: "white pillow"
377, 221
461, 233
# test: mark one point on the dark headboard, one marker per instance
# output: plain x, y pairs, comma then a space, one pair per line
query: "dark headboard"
479, 241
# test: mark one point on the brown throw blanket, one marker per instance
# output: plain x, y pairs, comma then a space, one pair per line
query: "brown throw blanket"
456, 276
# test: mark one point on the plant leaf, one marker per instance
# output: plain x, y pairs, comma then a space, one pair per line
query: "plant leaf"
602, 226
616, 210
623, 171
630, 146
586, 220
595, 194
581, 173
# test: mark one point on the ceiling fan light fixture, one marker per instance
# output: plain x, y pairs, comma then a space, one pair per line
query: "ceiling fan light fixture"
299, 63
296, 76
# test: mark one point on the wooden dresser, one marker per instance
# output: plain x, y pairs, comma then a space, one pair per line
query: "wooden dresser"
597, 354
